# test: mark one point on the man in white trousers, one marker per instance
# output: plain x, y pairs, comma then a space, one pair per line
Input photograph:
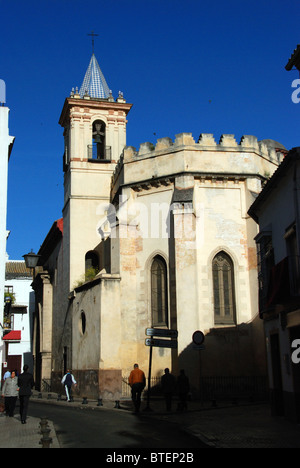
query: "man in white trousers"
68, 380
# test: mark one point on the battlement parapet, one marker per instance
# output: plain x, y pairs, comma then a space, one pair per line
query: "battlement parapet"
206, 142
269, 150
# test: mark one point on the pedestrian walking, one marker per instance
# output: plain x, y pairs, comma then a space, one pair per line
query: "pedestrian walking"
26, 384
68, 380
137, 382
6, 375
10, 392
183, 390
168, 383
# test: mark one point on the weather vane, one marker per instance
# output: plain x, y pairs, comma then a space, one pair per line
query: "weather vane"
93, 40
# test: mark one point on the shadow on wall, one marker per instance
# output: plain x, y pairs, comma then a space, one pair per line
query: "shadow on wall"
233, 361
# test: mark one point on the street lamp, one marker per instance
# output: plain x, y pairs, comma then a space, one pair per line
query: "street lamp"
31, 260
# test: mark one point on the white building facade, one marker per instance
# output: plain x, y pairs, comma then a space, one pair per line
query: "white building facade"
276, 210
6, 144
18, 325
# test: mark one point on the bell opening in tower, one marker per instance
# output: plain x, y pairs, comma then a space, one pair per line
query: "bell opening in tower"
98, 150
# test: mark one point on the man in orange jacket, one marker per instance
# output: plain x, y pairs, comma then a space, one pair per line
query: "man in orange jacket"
137, 382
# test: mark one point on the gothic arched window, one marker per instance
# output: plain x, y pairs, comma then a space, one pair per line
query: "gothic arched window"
223, 285
159, 292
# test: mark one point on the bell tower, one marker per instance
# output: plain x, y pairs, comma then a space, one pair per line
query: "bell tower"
94, 126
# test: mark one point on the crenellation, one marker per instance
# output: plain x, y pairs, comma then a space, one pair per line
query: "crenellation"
249, 141
227, 140
206, 139
145, 148
184, 139
272, 155
129, 153
263, 149
163, 143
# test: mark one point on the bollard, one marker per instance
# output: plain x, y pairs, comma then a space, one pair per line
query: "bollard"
46, 441
40, 396
84, 401
58, 397
100, 402
43, 423
45, 431
117, 405
44, 426
49, 396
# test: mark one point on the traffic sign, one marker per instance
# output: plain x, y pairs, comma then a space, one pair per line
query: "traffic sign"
161, 343
162, 332
198, 338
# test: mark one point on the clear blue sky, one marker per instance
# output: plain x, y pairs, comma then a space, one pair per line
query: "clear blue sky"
186, 65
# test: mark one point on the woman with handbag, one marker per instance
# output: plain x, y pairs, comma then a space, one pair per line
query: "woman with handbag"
10, 393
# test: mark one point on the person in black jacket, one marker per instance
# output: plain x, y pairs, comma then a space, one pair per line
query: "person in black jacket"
168, 383
26, 384
183, 390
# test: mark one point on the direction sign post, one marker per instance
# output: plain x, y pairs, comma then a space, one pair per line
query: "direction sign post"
198, 340
161, 343
154, 342
149, 381
161, 332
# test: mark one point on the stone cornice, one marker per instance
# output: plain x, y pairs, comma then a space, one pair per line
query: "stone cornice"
91, 104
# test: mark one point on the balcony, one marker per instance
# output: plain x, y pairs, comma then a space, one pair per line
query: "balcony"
99, 153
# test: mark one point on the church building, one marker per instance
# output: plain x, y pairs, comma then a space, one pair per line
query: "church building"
157, 237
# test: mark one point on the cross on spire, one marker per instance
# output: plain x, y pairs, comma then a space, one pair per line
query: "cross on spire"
93, 40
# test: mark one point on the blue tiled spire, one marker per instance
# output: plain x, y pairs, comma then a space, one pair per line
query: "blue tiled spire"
94, 83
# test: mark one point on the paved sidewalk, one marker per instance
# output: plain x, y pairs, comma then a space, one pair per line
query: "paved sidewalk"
227, 426
13, 434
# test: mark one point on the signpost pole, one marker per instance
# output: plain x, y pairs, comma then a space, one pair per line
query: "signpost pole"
149, 380
153, 342
200, 377
198, 340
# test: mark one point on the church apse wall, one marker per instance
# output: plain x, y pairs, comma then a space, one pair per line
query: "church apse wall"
183, 219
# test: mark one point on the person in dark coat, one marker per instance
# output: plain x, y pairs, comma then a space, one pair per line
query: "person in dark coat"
26, 384
183, 390
168, 383
68, 380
